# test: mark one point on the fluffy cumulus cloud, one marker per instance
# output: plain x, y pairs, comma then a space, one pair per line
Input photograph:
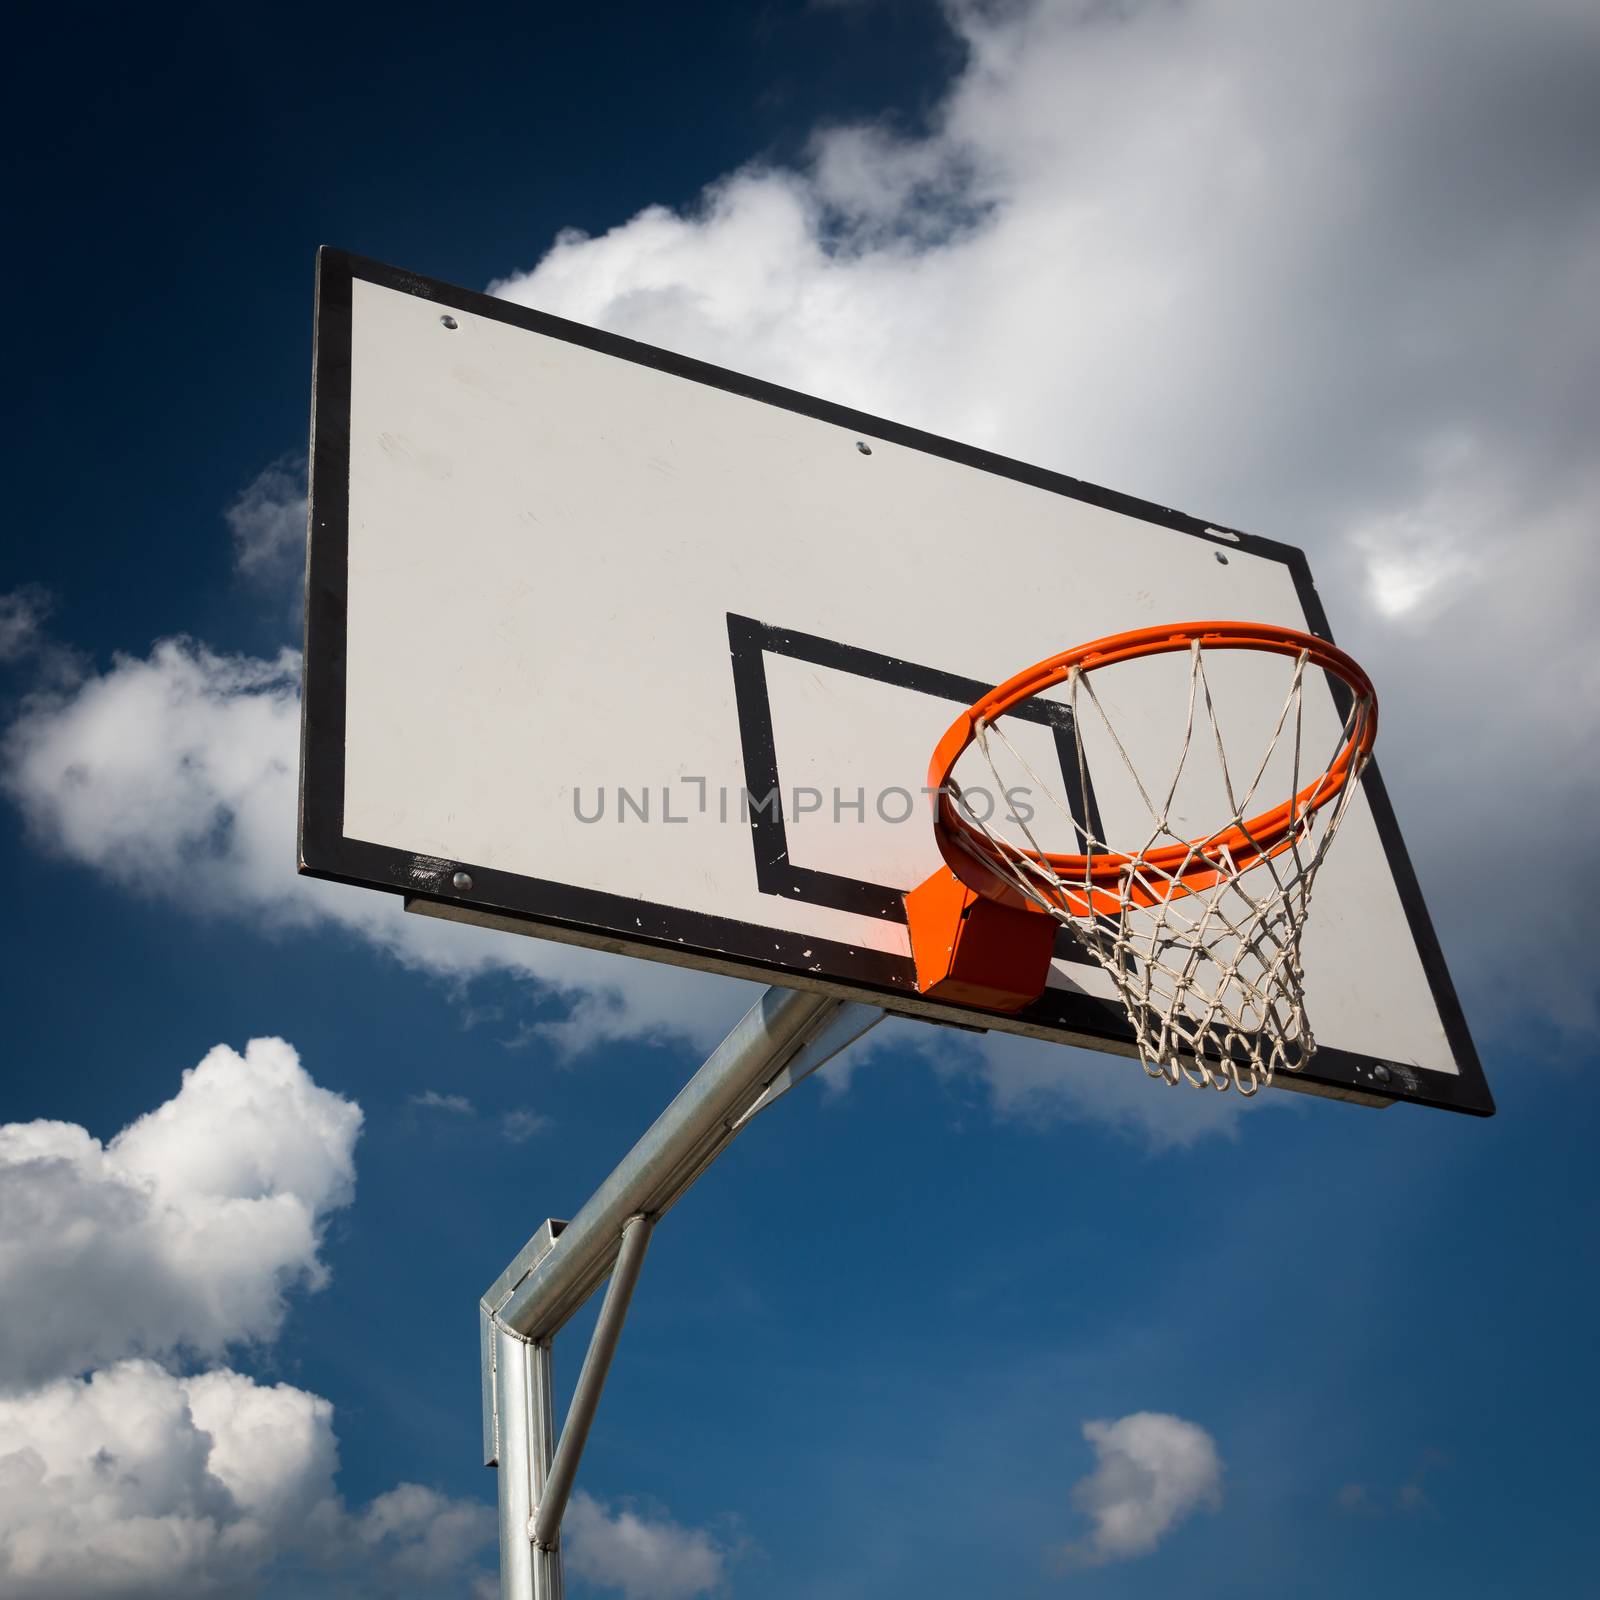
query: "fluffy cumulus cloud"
176, 774
1322, 273
644, 1557
134, 1482
420, 1540
1152, 1472
193, 1221
173, 773
121, 1476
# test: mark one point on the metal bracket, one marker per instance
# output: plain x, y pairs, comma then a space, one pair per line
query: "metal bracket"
849, 1022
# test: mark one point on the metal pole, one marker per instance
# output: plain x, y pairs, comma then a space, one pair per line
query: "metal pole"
547, 1576
516, 1489
786, 1035
551, 1501
678, 1146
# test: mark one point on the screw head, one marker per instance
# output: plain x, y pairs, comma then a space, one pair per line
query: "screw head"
863, 447
462, 881
448, 321
1222, 557
1380, 1073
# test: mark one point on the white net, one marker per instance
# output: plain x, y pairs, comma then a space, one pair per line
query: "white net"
1200, 936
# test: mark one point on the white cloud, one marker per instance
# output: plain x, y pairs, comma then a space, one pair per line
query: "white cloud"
109, 1485
422, 1537
519, 1125
1042, 1084
268, 524
516, 1126
134, 1483
176, 774
1153, 1471
1039, 1085
647, 1558
24, 638
192, 1223
431, 1100
120, 1478
22, 613
1323, 276
183, 1234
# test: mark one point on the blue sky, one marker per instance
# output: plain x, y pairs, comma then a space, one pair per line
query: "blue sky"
865, 1347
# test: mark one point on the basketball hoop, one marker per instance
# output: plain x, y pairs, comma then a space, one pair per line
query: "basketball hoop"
1200, 935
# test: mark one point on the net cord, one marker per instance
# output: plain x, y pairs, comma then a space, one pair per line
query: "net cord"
1209, 972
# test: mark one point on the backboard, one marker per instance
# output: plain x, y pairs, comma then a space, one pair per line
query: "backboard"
610, 646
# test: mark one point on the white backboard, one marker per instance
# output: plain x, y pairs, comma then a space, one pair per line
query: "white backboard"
575, 603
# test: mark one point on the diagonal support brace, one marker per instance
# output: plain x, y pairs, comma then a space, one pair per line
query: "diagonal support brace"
545, 1526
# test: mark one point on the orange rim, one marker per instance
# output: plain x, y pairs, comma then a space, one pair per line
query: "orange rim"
1188, 867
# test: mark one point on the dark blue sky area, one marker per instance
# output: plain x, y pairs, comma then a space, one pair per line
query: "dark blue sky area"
173, 176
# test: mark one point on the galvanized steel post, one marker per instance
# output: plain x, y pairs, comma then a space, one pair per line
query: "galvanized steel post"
784, 1036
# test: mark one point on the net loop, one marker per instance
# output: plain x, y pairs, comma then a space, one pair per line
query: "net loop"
1200, 936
